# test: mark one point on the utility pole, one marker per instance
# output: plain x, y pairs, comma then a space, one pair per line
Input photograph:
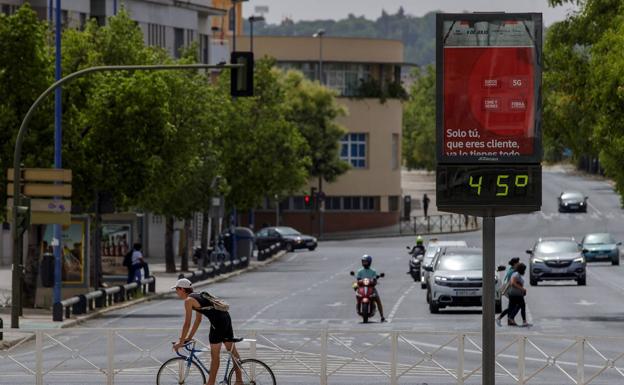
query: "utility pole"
319, 201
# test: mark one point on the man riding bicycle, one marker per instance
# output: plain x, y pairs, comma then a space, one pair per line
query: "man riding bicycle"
220, 326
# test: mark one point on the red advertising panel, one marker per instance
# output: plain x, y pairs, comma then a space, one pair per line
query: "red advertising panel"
489, 90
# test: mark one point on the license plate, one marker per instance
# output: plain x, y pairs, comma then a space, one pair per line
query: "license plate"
574, 207
465, 293
560, 270
309, 243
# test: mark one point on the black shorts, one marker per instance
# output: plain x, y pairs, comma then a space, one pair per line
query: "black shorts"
221, 330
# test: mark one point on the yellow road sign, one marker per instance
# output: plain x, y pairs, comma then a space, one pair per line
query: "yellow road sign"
44, 218
43, 190
42, 175
49, 205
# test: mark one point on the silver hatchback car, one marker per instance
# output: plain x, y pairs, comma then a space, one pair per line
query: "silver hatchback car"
557, 258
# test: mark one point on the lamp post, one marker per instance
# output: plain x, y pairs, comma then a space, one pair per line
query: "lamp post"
234, 3
319, 201
320, 34
252, 19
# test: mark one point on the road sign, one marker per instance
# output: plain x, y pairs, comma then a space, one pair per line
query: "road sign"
42, 175
43, 190
50, 205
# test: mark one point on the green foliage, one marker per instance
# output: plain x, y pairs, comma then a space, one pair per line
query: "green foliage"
417, 33
372, 88
583, 92
262, 152
313, 110
419, 122
25, 72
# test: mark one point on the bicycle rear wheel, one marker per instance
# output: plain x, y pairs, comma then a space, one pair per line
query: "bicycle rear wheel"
176, 371
253, 372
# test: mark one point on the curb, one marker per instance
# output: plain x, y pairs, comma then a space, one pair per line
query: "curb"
393, 235
207, 282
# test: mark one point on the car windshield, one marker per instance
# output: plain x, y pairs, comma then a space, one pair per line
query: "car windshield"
461, 262
596, 239
287, 231
429, 254
573, 196
550, 247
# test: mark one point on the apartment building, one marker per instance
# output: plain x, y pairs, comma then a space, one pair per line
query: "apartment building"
368, 195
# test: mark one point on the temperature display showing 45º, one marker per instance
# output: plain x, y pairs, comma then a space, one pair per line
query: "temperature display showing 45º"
470, 185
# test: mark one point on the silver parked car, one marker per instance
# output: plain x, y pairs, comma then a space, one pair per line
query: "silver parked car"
433, 246
556, 258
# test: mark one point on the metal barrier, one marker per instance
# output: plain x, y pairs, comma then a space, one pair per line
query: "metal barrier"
121, 356
442, 223
84, 303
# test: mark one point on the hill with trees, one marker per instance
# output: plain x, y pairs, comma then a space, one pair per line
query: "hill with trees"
417, 33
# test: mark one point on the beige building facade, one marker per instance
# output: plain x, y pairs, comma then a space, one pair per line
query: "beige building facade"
368, 195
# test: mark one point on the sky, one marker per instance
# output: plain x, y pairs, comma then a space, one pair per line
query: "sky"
371, 9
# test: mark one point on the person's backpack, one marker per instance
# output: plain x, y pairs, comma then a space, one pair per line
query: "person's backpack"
217, 303
127, 260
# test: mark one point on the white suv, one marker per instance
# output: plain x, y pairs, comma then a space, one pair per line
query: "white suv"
455, 279
433, 246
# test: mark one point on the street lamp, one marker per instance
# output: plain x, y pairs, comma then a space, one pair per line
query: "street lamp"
320, 34
252, 20
320, 204
234, 3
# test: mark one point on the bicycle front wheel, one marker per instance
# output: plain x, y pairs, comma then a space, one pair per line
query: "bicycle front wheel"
176, 371
253, 372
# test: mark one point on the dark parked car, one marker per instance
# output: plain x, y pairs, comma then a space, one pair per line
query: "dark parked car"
293, 239
556, 258
601, 247
572, 201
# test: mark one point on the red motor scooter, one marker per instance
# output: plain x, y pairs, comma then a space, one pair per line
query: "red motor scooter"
365, 296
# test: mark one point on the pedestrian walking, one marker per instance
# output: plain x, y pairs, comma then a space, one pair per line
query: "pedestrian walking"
513, 262
137, 263
517, 292
425, 203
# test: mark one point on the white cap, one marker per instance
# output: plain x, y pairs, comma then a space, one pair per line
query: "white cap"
182, 283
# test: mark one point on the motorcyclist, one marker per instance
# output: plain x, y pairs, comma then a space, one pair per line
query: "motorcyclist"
367, 272
419, 248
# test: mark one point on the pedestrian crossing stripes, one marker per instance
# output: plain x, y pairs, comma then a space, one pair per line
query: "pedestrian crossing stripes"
597, 216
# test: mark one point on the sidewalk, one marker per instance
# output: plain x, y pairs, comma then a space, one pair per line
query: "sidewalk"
42, 318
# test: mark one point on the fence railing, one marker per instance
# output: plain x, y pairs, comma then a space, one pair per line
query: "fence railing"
440, 223
128, 356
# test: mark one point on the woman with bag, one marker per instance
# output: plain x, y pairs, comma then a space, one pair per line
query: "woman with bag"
516, 293
505, 288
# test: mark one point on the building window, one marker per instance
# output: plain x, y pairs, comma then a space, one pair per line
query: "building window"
369, 203
203, 48
395, 151
157, 219
345, 77
190, 36
83, 20
9, 9
298, 203
156, 35
353, 149
310, 70
393, 203
178, 42
352, 203
64, 19
332, 203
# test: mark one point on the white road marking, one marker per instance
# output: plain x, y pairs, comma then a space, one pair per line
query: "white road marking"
585, 303
395, 308
335, 304
594, 208
293, 257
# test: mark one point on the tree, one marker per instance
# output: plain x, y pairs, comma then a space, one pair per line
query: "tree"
25, 72
262, 152
419, 122
314, 110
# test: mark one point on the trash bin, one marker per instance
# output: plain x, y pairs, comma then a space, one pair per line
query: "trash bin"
245, 241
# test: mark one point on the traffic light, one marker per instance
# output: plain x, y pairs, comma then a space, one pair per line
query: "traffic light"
307, 200
241, 78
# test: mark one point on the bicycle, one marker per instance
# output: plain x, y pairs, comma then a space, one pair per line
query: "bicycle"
190, 370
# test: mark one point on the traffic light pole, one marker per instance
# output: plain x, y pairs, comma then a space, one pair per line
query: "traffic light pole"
17, 269
488, 333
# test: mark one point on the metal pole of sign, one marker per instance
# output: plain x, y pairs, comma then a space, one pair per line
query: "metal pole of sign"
488, 331
58, 132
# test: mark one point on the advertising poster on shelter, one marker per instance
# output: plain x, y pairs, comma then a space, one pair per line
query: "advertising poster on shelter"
73, 265
116, 241
489, 89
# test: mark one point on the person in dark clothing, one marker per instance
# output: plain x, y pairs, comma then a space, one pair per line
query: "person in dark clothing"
425, 203
135, 261
513, 262
517, 292
220, 327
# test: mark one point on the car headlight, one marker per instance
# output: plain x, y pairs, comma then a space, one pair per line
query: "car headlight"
441, 279
565, 204
582, 203
579, 260
538, 260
